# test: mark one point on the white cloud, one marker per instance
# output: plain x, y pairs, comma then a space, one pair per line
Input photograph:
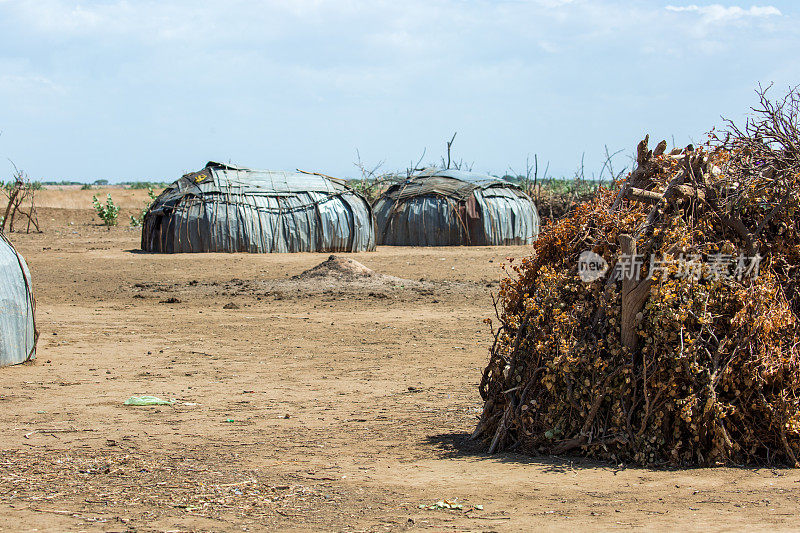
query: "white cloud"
719, 14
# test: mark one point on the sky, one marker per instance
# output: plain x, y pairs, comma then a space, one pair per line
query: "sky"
151, 89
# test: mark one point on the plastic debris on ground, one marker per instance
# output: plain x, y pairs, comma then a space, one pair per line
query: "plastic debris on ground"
146, 400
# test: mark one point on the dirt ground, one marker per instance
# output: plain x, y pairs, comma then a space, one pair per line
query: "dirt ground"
301, 402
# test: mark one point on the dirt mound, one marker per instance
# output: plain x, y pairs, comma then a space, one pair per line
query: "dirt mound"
341, 268
335, 278
344, 275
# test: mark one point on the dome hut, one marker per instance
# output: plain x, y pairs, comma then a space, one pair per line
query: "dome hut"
224, 208
17, 325
439, 207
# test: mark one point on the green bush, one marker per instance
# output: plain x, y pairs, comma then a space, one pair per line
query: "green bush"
29, 185
138, 220
108, 213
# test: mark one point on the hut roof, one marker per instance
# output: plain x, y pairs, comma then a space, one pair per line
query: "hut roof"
229, 179
227, 208
452, 183
225, 176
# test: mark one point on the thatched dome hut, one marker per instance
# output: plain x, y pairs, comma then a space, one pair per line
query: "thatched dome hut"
223, 208
17, 325
439, 207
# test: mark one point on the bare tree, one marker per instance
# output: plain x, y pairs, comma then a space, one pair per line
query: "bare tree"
450, 162
449, 146
608, 164
21, 195
529, 180
372, 181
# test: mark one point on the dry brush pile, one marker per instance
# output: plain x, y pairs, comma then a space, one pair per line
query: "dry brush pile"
686, 351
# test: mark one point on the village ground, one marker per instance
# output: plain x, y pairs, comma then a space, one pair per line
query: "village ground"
300, 404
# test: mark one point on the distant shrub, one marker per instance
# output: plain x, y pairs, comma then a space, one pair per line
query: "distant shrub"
145, 184
30, 185
62, 182
138, 220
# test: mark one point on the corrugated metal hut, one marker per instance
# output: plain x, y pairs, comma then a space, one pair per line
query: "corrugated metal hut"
17, 321
224, 208
439, 207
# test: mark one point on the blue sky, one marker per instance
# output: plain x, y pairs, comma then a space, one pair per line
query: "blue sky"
151, 89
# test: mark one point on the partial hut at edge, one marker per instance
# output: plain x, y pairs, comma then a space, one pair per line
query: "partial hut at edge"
225, 208
17, 321
444, 207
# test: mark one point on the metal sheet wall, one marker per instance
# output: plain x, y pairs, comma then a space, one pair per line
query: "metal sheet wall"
507, 217
17, 330
419, 221
261, 223
433, 220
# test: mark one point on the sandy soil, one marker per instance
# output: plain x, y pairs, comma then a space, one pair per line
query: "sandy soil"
302, 403
76, 198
